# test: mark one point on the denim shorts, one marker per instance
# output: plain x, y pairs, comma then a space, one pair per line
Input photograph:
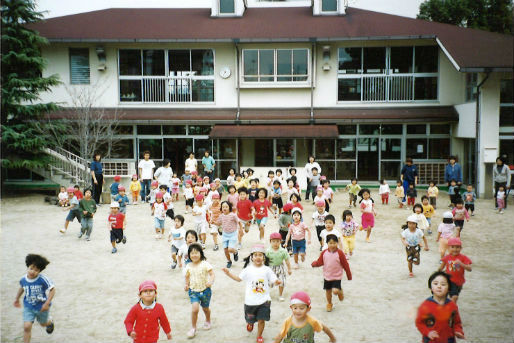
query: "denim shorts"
159, 223
29, 315
299, 246
229, 239
262, 221
203, 297
254, 313
74, 214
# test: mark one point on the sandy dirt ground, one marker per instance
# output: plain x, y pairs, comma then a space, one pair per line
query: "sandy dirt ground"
95, 289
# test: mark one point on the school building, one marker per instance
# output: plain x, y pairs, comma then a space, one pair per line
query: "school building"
262, 83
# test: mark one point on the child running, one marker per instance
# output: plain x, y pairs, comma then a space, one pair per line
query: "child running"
135, 188
318, 220
333, 262
411, 238
74, 209
384, 192
277, 256
428, 211
368, 213
438, 318
200, 218
233, 197
459, 214
122, 199
229, 225
116, 222
199, 279
349, 229
284, 221
412, 194
189, 196
445, 231
147, 316
276, 197
175, 187
261, 206
469, 197
159, 212
214, 223
88, 208
258, 276
39, 292
399, 193
353, 189
115, 187
422, 220
300, 327
191, 237
177, 238
330, 223
456, 264
297, 233
328, 193
244, 213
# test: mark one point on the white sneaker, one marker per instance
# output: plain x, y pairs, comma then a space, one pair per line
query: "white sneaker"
157, 236
281, 299
239, 246
62, 230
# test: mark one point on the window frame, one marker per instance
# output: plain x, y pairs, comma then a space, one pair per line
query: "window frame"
226, 13
70, 50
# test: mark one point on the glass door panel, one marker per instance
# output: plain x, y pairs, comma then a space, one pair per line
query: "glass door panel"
367, 155
177, 150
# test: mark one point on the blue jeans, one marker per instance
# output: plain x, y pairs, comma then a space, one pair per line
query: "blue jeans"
405, 188
145, 188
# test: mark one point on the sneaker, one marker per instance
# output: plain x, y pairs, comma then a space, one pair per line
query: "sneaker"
187, 211
239, 246
429, 232
249, 327
114, 251
229, 264
329, 307
367, 240
124, 240
80, 234
50, 328
281, 299
62, 230
236, 256
411, 274
260, 339
501, 211
207, 326
191, 333
216, 247
296, 266
157, 236
88, 238
203, 245
472, 214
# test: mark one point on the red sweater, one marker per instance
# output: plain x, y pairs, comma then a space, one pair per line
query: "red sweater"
147, 323
342, 260
444, 319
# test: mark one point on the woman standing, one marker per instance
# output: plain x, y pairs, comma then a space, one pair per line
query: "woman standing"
501, 177
191, 162
97, 176
308, 169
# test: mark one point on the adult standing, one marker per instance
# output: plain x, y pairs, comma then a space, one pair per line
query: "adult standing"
97, 176
501, 177
191, 163
208, 165
164, 174
453, 171
146, 167
308, 170
409, 175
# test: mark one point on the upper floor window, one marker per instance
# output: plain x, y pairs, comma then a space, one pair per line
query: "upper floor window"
227, 7
275, 65
471, 86
79, 66
329, 5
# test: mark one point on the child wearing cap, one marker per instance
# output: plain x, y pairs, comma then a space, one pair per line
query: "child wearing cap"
318, 220
411, 238
456, 264
200, 218
116, 222
297, 233
257, 276
214, 218
189, 195
445, 231
300, 326
147, 316
73, 207
114, 187
329, 229
334, 262
167, 199
135, 188
122, 199
438, 318
175, 186
284, 221
159, 212
210, 193
277, 256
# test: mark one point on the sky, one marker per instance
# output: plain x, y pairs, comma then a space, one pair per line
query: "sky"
56, 8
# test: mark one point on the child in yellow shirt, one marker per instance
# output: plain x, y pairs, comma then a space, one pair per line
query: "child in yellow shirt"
135, 188
428, 211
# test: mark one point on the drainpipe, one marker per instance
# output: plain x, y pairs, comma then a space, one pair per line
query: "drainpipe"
311, 120
477, 134
238, 121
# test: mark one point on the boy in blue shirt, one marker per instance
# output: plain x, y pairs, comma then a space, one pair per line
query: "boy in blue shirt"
114, 187
122, 198
39, 292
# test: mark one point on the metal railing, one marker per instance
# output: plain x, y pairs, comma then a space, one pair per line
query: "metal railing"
386, 88
175, 89
63, 162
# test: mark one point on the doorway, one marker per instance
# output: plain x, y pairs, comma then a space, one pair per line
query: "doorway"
177, 150
367, 168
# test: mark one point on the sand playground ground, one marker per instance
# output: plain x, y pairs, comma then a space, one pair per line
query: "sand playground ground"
95, 289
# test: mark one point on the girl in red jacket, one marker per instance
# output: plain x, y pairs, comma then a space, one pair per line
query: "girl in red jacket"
438, 317
145, 317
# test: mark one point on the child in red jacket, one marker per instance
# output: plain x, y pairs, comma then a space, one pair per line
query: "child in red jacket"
438, 317
333, 262
147, 315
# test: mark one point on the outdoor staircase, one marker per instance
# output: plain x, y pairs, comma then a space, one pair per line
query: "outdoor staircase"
65, 168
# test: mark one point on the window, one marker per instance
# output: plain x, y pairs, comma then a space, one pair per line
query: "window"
130, 62
420, 129
350, 60
328, 5
438, 147
79, 66
374, 60
425, 88
471, 86
507, 91
153, 62
345, 148
369, 129
149, 130
130, 90
417, 148
281, 65
347, 129
173, 129
391, 129
349, 90
426, 59
199, 130
439, 129
401, 60
227, 6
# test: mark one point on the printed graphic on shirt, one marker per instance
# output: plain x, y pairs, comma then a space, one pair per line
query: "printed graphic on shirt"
258, 286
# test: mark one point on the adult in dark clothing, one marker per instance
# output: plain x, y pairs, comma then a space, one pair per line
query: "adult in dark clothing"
409, 175
97, 176
453, 171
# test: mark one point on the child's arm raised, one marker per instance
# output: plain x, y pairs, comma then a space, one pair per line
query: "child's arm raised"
232, 276
17, 299
329, 334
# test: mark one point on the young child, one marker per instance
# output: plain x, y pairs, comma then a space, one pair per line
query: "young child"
231, 178
268, 182
453, 192
212, 191
445, 231
292, 176
428, 211
135, 188
412, 194
159, 212
438, 318
189, 195
200, 218
279, 177
314, 180
277, 256
290, 190
318, 220
175, 187
329, 223
39, 292
384, 191
284, 221
422, 220
295, 201
328, 193
432, 193
456, 264
469, 197
177, 238
261, 206
297, 231
74, 209
78, 193
252, 191
122, 199
333, 262
154, 189
240, 182
244, 213
411, 238
229, 224
199, 279
114, 187
399, 193
276, 197
147, 316
368, 213
88, 208
167, 198
500, 199
319, 194
300, 327
219, 187
353, 189
63, 197
191, 237
116, 222
257, 276
233, 197
349, 228
459, 214
214, 223
185, 177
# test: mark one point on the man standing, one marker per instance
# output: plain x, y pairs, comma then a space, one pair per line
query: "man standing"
453, 171
146, 168
409, 175
208, 165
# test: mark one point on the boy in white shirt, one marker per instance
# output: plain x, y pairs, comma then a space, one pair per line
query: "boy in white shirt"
177, 238
200, 218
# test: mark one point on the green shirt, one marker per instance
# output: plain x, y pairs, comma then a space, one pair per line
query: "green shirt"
304, 334
354, 189
283, 221
89, 206
277, 257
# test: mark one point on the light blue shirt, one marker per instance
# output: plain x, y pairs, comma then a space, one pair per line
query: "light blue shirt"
208, 163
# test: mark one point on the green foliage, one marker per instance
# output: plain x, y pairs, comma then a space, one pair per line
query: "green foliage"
22, 81
489, 15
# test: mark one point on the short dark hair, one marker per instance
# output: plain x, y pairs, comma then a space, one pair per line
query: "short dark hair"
181, 218
77, 187
166, 161
399, 181
314, 168
163, 187
231, 186
250, 170
242, 190
39, 261
88, 190
262, 189
459, 201
295, 195
447, 220
229, 205
355, 179
197, 247
452, 157
271, 172
330, 217
453, 180
332, 238
254, 180
97, 153
347, 212
418, 205
424, 197
408, 159
278, 171
276, 182
192, 232
432, 181
469, 184
364, 190
291, 169
146, 152
238, 174
436, 274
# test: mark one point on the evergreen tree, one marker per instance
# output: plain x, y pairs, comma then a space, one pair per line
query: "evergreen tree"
490, 15
22, 81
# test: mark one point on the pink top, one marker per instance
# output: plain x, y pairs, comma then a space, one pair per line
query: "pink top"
233, 199
446, 230
327, 193
333, 264
460, 214
298, 231
229, 222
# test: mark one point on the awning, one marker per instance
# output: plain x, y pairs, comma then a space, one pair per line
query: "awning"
274, 131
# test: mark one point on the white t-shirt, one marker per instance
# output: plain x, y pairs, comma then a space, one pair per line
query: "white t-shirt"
309, 166
500, 195
230, 180
166, 198
191, 164
422, 221
146, 169
317, 198
257, 284
384, 189
202, 211
63, 196
188, 193
182, 251
319, 218
178, 233
164, 175
367, 205
324, 233
412, 238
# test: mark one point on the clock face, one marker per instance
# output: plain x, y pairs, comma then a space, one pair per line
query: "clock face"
225, 72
